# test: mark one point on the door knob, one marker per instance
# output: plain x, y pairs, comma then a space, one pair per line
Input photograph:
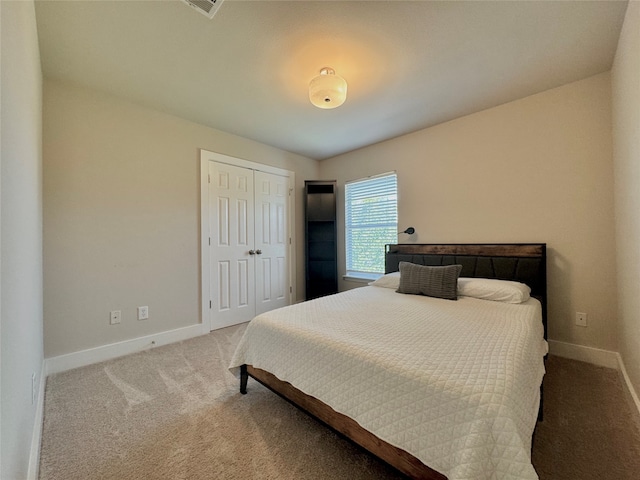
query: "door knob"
259, 252
252, 252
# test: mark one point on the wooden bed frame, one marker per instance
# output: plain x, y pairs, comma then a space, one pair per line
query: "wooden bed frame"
525, 263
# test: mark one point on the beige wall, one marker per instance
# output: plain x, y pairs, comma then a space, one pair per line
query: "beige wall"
122, 215
626, 154
21, 226
534, 170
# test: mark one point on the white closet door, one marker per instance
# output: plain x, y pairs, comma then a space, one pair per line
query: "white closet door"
271, 241
232, 270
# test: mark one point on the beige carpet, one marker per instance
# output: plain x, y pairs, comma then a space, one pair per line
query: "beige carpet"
174, 412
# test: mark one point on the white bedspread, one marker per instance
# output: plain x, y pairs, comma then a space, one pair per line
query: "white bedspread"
454, 383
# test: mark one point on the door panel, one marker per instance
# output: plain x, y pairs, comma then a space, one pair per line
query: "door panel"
265, 281
224, 297
232, 231
272, 281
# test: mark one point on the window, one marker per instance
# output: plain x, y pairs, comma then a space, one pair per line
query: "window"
371, 221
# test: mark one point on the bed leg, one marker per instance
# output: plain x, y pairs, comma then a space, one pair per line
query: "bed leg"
540, 408
244, 376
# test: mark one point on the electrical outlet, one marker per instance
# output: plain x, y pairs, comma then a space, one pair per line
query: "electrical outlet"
581, 319
143, 313
116, 317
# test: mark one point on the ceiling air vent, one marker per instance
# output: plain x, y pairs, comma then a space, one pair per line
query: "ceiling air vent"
205, 7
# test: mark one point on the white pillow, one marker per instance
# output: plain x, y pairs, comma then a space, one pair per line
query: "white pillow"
484, 288
492, 289
390, 280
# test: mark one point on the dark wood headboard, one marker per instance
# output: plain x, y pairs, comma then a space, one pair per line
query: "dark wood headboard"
520, 262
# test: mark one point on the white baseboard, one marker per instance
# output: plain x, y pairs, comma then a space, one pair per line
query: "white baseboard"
596, 356
36, 435
627, 380
90, 356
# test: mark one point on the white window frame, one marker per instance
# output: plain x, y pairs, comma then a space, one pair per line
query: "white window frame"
350, 272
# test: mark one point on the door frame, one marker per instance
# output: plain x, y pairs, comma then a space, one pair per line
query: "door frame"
207, 156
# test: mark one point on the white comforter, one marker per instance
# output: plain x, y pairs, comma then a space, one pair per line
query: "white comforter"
454, 383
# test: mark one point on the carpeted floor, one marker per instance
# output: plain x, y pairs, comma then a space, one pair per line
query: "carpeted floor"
175, 412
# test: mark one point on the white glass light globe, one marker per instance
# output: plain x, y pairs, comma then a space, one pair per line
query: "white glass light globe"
328, 90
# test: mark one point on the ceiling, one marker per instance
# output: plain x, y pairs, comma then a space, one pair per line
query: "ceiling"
408, 64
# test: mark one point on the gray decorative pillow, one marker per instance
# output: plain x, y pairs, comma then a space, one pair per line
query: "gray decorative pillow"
440, 282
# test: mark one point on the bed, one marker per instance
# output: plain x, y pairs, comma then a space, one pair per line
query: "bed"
436, 388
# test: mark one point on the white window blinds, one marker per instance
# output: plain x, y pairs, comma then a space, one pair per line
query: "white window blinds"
371, 221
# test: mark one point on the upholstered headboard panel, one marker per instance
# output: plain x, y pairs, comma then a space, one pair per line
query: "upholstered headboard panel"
525, 263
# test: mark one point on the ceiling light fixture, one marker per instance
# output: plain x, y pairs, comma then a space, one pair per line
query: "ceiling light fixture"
328, 90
